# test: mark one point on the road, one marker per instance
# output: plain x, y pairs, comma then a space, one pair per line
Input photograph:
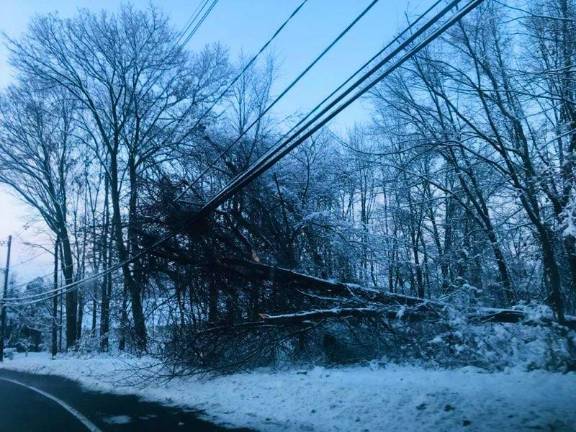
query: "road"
43, 403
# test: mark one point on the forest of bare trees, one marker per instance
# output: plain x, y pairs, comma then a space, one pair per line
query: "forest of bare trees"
457, 197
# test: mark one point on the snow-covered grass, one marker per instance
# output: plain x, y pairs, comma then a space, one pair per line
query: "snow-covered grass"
369, 398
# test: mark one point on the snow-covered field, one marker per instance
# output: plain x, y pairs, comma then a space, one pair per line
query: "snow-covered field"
371, 398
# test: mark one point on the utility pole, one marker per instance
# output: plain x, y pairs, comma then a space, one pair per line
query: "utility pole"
5, 294
55, 301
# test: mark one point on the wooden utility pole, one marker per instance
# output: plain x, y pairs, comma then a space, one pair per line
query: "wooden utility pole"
55, 301
4, 295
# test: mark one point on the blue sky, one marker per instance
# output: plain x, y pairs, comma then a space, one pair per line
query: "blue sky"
242, 26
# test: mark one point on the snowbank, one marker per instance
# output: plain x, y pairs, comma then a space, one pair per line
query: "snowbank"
344, 399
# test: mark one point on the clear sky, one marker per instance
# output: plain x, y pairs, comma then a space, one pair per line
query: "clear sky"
242, 26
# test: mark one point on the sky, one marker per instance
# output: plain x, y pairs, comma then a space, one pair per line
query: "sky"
242, 26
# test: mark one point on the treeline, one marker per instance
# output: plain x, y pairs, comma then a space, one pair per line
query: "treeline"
460, 189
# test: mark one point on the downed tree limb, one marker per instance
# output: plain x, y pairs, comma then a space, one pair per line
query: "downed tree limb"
256, 270
513, 316
408, 314
320, 314
409, 308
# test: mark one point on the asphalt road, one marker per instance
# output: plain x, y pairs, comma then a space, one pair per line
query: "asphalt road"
43, 403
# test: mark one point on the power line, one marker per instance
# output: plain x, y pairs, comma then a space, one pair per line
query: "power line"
280, 151
235, 80
25, 284
281, 95
202, 19
318, 106
359, 70
191, 21
30, 259
266, 162
238, 76
276, 153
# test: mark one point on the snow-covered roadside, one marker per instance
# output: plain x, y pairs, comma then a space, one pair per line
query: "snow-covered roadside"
344, 399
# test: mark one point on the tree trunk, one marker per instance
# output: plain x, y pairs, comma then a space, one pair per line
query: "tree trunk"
129, 282
107, 282
72, 295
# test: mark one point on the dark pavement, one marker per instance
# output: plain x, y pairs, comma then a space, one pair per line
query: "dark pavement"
23, 409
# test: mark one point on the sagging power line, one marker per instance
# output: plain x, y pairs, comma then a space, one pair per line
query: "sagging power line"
305, 131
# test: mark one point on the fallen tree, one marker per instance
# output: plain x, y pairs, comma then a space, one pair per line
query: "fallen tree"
338, 323
373, 302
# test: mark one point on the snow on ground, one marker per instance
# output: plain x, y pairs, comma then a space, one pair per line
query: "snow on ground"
370, 398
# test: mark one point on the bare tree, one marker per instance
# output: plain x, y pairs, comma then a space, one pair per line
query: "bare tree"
38, 160
140, 95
